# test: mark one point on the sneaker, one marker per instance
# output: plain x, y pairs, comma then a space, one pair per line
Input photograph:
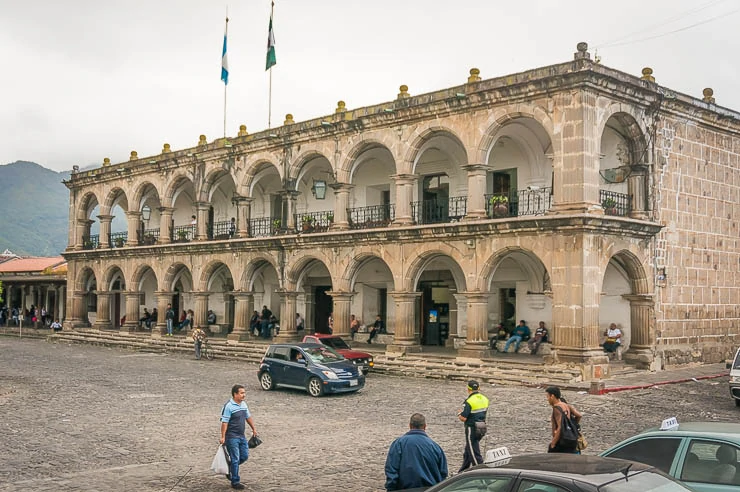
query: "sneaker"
237, 486
228, 477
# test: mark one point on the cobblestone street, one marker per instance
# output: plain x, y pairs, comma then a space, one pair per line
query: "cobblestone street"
78, 417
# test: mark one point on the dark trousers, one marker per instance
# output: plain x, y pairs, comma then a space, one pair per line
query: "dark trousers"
373, 332
471, 456
560, 449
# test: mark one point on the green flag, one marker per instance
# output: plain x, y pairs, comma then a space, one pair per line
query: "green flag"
271, 60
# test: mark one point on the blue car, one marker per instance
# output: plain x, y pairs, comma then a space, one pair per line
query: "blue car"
313, 367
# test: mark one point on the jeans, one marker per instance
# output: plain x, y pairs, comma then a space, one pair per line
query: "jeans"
169, 327
514, 338
198, 345
238, 454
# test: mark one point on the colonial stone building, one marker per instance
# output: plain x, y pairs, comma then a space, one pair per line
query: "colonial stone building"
573, 194
36, 281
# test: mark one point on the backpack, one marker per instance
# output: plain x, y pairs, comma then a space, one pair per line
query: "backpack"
568, 431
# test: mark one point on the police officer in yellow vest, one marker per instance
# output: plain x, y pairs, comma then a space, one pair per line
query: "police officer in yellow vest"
473, 414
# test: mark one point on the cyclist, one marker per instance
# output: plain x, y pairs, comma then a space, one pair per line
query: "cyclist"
199, 337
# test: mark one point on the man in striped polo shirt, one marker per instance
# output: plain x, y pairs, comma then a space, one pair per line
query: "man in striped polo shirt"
234, 415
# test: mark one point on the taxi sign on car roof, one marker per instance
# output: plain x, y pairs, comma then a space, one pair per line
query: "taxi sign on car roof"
498, 456
669, 424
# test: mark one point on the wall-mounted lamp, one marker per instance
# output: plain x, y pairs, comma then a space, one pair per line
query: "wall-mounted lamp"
146, 213
319, 189
661, 275
326, 124
460, 95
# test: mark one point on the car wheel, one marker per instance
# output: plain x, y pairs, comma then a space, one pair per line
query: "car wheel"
737, 403
266, 381
314, 387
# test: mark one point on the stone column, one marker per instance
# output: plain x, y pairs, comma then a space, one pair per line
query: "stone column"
105, 221
637, 189
201, 233
61, 303
242, 313
341, 204
341, 312
132, 311
243, 214
73, 239
82, 227
289, 199
159, 327
134, 225
405, 339
476, 342
103, 319
308, 316
404, 195
77, 302
200, 313
460, 300
23, 300
165, 225
642, 345
476, 206
576, 286
288, 332
576, 167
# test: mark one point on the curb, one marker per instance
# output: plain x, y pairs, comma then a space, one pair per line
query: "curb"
614, 389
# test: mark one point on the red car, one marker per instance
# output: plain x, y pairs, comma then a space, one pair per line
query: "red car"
363, 360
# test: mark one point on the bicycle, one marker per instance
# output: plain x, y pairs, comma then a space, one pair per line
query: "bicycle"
207, 350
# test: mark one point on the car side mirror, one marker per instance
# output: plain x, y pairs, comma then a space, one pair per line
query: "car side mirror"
728, 365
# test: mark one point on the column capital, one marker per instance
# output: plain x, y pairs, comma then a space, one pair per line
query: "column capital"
404, 178
200, 295
131, 293
644, 299
405, 296
202, 205
241, 295
335, 294
476, 168
289, 293
133, 213
85, 222
238, 199
104, 293
166, 210
341, 187
107, 218
475, 297
164, 293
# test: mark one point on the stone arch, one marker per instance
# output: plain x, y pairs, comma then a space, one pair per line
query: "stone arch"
527, 260
450, 259
501, 118
256, 170
213, 267
86, 205
174, 272
630, 127
347, 281
299, 163
173, 185
212, 178
85, 279
299, 265
111, 273
348, 165
417, 146
633, 268
141, 192
254, 267
139, 274
116, 196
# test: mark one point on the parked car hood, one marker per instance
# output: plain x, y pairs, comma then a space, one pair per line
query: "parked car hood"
353, 354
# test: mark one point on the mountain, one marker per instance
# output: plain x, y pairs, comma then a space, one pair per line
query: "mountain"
34, 207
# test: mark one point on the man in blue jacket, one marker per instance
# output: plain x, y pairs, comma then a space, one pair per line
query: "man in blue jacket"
414, 459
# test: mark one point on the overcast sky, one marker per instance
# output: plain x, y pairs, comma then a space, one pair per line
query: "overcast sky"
88, 79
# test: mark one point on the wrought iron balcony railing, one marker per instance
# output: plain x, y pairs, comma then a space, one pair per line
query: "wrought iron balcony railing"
183, 233
372, 216
314, 221
91, 242
615, 203
438, 211
150, 236
118, 239
222, 230
519, 203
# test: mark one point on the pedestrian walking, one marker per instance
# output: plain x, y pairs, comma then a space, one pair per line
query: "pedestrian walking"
169, 317
473, 414
564, 421
199, 336
234, 417
414, 459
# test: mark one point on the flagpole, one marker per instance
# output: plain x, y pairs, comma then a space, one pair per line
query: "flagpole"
269, 103
226, 32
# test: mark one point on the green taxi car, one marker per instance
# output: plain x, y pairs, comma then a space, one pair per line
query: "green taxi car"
702, 455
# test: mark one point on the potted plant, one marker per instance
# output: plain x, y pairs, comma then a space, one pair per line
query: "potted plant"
119, 242
499, 205
307, 222
610, 206
329, 218
87, 244
150, 239
182, 235
276, 225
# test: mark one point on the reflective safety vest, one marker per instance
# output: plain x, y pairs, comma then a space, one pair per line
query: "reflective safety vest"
478, 408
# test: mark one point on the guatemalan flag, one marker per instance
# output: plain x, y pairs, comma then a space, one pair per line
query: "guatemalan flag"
224, 59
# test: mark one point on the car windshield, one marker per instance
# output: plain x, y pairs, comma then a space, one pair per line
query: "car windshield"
323, 355
335, 343
647, 481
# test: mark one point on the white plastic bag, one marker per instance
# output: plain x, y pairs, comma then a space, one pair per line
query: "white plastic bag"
219, 464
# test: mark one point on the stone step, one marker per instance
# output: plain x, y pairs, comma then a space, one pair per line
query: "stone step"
444, 366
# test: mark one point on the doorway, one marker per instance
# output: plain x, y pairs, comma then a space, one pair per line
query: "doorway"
435, 309
323, 307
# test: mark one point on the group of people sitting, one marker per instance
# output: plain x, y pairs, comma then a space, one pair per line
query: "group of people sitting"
520, 333
264, 324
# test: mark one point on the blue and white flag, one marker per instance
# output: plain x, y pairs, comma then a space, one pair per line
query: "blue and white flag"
224, 59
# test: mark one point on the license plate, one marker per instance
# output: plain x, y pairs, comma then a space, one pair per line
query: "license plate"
353, 382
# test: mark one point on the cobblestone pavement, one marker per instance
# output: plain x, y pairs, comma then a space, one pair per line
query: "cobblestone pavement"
79, 417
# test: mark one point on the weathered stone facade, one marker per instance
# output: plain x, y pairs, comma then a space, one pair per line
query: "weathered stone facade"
574, 194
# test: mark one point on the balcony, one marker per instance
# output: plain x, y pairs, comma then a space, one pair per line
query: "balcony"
149, 237
519, 203
615, 203
314, 221
118, 239
91, 242
221, 230
183, 234
371, 217
439, 211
